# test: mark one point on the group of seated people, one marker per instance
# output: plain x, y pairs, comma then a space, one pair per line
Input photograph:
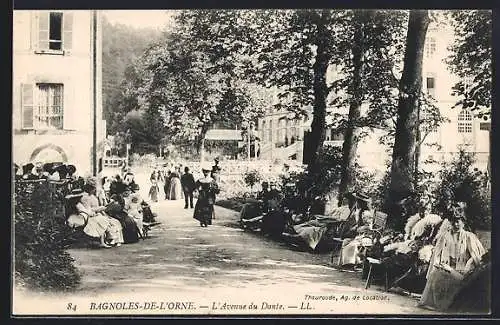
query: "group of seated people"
116, 216
54, 171
434, 256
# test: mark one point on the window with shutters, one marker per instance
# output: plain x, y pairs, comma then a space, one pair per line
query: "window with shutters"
54, 32
464, 122
43, 106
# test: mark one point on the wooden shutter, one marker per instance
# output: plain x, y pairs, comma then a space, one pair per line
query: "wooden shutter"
27, 106
67, 31
43, 30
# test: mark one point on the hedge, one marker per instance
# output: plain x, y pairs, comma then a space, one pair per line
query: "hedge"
41, 237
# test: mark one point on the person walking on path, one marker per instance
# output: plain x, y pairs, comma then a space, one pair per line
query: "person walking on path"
154, 189
207, 189
175, 191
188, 185
215, 174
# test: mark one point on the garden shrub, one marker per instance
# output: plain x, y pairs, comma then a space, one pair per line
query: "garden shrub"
41, 237
459, 181
456, 181
252, 177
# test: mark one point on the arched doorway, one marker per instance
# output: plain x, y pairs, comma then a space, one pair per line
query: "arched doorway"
49, 153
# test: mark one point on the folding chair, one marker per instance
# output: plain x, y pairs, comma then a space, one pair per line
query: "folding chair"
378, 226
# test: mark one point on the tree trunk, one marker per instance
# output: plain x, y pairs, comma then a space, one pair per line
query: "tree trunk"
418, 141
403, 157
320, 89
351, 134
201, 136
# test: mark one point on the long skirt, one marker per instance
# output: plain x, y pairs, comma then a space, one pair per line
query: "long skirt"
175, 191
440, 290
129, 229
97, 226
153, 193
115, 232
251, 209
310, 234
349, 253
203, 212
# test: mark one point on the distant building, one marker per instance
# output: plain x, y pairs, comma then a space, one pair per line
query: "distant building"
279, 133
57, 88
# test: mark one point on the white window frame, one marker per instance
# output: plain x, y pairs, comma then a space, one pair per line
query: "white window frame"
66, 34
464, 122
49, 109
431, 46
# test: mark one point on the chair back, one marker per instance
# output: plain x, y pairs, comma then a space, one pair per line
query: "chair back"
379, 220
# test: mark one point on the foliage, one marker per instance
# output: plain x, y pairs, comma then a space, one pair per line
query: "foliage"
41, 261
460, 182
252, 177
188, 85
325, 178
121, 45
471, 59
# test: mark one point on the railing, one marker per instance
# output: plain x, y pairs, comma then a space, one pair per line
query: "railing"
113, 162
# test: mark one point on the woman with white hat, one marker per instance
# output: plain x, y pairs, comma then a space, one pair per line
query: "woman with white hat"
207, 189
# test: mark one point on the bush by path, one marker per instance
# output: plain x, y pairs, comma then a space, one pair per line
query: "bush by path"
41, 237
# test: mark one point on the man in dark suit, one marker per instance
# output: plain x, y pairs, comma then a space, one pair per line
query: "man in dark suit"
188, 185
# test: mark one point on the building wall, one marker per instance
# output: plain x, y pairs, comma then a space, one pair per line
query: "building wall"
73, 69
375, 156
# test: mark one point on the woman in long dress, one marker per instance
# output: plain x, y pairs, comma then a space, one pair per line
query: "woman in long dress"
207, 189
358, 222
154, 189
175, 191
115, 209
99, 225
457, 252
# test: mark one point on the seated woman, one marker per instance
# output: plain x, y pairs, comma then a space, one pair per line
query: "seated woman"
271, 201
87, 213
134, 210
115, 209
254, 207
456, 253
354, 230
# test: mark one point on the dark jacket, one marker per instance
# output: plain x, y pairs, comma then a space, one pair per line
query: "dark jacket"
187, 182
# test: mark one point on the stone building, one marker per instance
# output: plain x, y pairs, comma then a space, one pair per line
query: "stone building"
57, 100
279, 133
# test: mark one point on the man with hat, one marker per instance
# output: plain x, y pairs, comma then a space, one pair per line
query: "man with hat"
188, 184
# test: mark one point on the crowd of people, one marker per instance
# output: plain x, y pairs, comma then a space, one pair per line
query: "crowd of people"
110, 209
179, 186
435, 256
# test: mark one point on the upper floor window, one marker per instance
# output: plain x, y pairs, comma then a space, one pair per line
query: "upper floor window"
42, 106
464, 122
430, 47
54, 32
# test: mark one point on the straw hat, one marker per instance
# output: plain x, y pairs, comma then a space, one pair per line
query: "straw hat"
205, 168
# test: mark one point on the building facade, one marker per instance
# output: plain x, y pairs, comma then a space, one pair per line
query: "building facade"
461, 129
57, 99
